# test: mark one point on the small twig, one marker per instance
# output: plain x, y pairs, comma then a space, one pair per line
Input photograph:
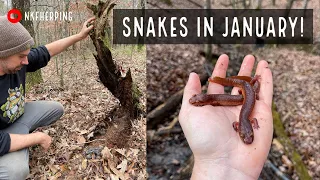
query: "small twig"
276, 170
285, 117
169, 131
169, 128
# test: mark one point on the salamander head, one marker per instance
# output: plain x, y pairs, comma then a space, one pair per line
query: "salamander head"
196, 100
246, 134
247, 137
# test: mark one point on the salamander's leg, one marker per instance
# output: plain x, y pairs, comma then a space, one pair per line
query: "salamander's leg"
235, 126
254, 79
254, 121
256, 85
257, 96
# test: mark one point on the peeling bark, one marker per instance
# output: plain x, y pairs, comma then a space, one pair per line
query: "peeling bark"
109, 72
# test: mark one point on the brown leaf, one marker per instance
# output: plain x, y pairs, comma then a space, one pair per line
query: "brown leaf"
117, 172
123, 166
81, 139
106, 170
106, 154
84, 164
122, 152
54, 168
114, 177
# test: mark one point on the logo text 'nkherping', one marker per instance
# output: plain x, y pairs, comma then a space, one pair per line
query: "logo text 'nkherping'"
15, 15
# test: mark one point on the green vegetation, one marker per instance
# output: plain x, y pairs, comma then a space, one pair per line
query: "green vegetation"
32, 79
290, 151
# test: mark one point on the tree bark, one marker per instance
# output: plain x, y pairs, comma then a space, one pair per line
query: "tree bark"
109, 72
33, 77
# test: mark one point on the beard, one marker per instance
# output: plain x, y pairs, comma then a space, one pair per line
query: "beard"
13, 71
6, 69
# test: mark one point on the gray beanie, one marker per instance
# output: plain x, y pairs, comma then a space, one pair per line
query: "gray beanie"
14, 38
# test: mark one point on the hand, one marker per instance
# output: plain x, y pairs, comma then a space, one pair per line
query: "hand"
218, 150
45, 141
85, 30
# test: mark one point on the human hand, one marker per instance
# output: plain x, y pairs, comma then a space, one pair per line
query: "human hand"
85, 30
45, 141
218, 150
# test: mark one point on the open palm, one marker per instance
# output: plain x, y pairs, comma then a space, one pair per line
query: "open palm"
208, 129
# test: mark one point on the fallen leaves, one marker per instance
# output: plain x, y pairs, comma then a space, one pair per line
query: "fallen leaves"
81, 139
86, 103
120, 162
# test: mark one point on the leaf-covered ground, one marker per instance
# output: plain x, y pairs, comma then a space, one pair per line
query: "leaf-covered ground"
80, 149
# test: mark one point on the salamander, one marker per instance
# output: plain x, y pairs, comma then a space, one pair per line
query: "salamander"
216, 100
244, 125
253, 81
224, 99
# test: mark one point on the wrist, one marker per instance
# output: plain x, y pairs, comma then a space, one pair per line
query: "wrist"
80, 36
210, 169
39, 136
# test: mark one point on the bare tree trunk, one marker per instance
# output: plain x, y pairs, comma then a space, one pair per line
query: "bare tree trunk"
56, 35
132, 45
259, 4
288, 8
34, 77
65, 33
289, 4
7, 5
24, 6
233, 2
208, 46
244, 2
305, 6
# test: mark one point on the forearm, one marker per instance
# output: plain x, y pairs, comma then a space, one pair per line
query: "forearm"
207, 171
20, 141
58, 46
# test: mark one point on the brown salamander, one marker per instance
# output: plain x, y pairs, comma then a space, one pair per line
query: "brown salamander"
244, 125
216, 100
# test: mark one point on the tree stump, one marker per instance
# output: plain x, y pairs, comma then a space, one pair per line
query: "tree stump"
111, 77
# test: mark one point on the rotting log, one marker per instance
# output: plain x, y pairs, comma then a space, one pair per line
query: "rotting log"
290, 151
109, 72
162, 111
115, 79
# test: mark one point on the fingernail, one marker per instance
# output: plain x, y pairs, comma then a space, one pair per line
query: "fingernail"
191, 74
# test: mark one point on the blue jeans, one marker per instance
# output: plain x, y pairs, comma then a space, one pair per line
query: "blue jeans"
15, 165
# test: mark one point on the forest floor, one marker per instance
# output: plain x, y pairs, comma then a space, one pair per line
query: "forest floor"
79, 149
296, 83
